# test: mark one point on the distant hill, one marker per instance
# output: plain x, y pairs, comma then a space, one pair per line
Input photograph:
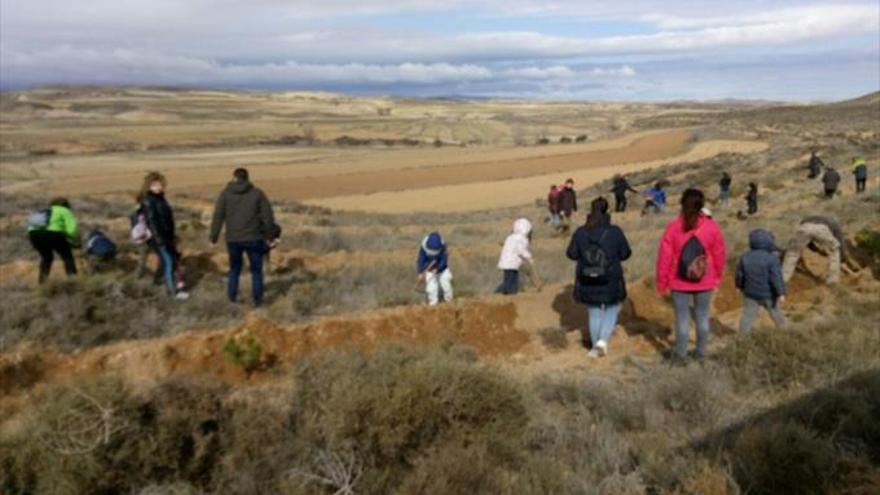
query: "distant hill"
870, 99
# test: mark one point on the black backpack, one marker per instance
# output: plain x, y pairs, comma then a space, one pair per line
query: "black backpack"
594, 270
693, 260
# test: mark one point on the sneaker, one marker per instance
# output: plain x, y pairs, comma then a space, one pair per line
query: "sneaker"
181, 296
601, 348
594, 354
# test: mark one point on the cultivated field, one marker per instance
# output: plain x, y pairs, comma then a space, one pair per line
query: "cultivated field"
346, 383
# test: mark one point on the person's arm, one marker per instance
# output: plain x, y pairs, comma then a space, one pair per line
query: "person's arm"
664, 261
267, 216
740, 276
523, 251
719, 252
421, 261
153, 223
71, 227
573, 252
442, 260
625, 251
219, 217
777, 284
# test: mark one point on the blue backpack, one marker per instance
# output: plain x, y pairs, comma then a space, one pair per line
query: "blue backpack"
100, 246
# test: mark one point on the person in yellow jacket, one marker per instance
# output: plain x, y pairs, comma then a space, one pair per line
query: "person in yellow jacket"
860, 171
54, 230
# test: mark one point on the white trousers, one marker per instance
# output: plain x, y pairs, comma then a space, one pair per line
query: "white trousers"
434, 282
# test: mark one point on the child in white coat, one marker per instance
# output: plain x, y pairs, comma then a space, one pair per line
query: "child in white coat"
514, 252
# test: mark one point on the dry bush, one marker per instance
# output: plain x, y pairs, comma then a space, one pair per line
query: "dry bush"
553, 338
386, 409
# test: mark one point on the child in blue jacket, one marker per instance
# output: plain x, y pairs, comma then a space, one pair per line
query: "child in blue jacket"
759, 277
433, 268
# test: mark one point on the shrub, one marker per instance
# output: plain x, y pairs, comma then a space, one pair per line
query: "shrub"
581, 138
565, 140
543, 141
553, 338
245, 352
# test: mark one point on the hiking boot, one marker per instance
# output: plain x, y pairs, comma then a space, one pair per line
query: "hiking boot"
181, 296
601, 348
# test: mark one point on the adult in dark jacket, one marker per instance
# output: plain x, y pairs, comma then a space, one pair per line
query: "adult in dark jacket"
619, 189
603, 294
247, 214
815, 166
759, 277
724, 188
830, 181
752, 198
860, 172
567, 202
160, 220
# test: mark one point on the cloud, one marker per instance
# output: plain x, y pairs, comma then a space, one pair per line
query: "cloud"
622, 71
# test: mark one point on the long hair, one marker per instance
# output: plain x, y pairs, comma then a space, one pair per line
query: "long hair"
148, 180
692, 201
598, 213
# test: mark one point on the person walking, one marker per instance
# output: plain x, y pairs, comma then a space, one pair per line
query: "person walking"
599, 248
619, 188
820, 233
433, 267
860, 172
752, 198
724, 188
759, 278
54, 230
814, 166
690, 264
159, 218
553, 206
830, 181
250, 230
513, 254
567, 204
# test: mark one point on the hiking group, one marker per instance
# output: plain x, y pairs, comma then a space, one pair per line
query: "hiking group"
690, 258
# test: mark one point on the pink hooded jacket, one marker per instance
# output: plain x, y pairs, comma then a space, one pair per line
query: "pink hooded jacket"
674, 239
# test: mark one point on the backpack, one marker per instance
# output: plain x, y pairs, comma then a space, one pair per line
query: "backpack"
140, 231
100, 246
39, 220
594, 270
692, 262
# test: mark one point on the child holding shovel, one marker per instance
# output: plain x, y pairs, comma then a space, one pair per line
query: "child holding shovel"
514, 252
433, 267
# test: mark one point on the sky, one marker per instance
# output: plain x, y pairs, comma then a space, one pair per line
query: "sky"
644, 50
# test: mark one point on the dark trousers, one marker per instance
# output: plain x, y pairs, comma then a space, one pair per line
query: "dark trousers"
620, 202
753, 207
860, 185
829, 193
47, 243
255, 251
510, 283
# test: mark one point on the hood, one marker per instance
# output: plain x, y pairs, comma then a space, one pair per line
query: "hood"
762, 239
522, 226
239, 187
433, 244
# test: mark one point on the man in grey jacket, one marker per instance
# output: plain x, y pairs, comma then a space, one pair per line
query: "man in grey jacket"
249, 220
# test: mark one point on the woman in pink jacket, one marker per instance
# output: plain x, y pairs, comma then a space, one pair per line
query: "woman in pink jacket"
690, 263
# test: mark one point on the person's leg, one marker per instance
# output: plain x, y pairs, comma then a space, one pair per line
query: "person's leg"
834, 261
594, 317
166, 266
513, 286
42, 246
432, 288
702, 308
62, 247
446, 284
254, 252
681, 302
235, 261
749, 312
776, 313
609, 322
798, 242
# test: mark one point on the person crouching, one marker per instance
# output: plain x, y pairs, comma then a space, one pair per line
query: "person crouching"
433, 268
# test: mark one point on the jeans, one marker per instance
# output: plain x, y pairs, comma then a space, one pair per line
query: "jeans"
46, 243
510, 283
725, 196
255, 251
689, 305
603, 319
166, 266
750, 312
554, 219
